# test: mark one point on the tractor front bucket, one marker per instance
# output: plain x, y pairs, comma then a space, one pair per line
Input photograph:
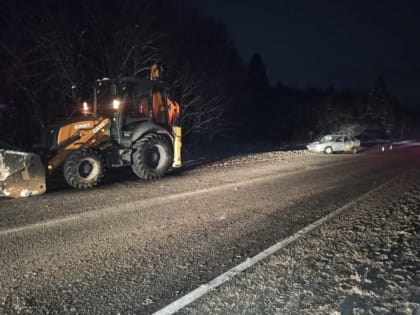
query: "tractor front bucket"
21, 174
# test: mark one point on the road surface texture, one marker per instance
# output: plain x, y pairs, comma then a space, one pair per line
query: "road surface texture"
133, 247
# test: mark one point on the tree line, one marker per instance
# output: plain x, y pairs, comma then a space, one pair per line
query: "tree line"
51, 52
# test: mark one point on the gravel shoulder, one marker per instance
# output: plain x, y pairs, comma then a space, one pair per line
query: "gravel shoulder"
366, 261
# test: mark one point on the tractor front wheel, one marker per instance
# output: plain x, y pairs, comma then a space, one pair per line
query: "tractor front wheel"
152, 156
83, 169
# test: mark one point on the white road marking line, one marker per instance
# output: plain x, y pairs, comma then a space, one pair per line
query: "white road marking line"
218, 281
135, 205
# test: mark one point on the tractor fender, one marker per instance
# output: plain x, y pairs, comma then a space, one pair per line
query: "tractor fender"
146, 128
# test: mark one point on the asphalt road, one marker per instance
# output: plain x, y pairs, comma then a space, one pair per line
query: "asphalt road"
132, 247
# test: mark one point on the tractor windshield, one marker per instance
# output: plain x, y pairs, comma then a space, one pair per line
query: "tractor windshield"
104, 97
131, 97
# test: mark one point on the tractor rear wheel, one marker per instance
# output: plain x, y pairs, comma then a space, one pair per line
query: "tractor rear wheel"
83, 169
152, 156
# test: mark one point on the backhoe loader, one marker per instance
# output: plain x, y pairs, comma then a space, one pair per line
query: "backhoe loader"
130, 122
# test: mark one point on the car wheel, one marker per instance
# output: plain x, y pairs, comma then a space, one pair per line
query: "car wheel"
328, 150
354, 150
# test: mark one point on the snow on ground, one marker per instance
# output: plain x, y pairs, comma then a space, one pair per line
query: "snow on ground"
407, 143
284, 156
238, 156
366, 261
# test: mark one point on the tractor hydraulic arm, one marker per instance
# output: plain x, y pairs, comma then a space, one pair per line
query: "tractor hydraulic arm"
82, 138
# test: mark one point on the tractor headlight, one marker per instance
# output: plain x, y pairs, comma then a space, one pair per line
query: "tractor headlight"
85, 108
116, 104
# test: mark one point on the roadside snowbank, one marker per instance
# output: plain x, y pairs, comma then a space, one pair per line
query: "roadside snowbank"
366, 261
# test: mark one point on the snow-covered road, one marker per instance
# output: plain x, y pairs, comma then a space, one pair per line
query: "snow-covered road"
132, 247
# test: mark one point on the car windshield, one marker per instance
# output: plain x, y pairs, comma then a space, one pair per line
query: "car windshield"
328, 138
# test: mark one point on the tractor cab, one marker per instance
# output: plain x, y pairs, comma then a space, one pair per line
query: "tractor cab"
129, 102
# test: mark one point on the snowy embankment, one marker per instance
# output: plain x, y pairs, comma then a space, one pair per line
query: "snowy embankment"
365, 261
407, 143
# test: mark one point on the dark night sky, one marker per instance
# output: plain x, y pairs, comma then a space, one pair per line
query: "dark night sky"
340, 43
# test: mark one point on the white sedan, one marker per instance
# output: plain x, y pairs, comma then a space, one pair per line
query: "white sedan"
335, 143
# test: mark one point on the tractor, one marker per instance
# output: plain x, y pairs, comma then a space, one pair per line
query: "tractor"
129, 122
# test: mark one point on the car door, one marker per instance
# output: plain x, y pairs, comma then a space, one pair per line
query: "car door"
338, 144
348, 144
